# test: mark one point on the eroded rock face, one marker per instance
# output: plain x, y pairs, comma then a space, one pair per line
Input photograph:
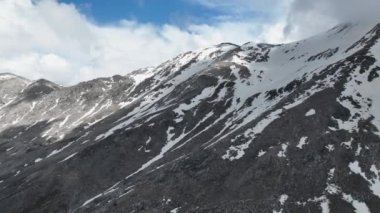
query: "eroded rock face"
251, 128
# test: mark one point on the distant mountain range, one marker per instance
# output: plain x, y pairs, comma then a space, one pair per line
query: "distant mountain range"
251, 128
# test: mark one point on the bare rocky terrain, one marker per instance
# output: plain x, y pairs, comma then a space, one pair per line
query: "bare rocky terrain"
251, 128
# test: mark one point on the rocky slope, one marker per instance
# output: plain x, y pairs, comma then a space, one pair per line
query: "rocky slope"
251, 128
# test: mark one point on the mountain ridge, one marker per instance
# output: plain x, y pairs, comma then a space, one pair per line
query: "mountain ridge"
225, 129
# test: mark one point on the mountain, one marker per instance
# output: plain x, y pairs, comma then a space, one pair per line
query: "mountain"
251, 128
10, 86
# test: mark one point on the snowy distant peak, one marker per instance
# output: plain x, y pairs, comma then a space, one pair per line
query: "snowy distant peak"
368, 40
102, 81
44, 82
6, 76
226, 44
10, 87
140, 75
10, 76
253, 45
340, 28
39, 88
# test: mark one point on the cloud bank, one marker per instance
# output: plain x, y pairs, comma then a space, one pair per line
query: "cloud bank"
307, 17
47, 39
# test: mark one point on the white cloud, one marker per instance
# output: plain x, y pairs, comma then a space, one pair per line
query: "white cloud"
289, 20
245, 6
55, 41
308, 17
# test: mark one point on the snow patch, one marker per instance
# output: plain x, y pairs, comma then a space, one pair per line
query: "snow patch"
325, 206
54, 152
283, 199
175, 210
38, 160
348, 144
310, 112
68, 157
360, 207
261, 153
375, 187
91, 199
9, 149
374, 183
282, 152
330, 147
302, 142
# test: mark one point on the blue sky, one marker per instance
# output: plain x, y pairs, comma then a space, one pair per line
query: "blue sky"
176, 12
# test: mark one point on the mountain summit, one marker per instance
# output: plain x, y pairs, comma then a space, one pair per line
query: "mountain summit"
251, 128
